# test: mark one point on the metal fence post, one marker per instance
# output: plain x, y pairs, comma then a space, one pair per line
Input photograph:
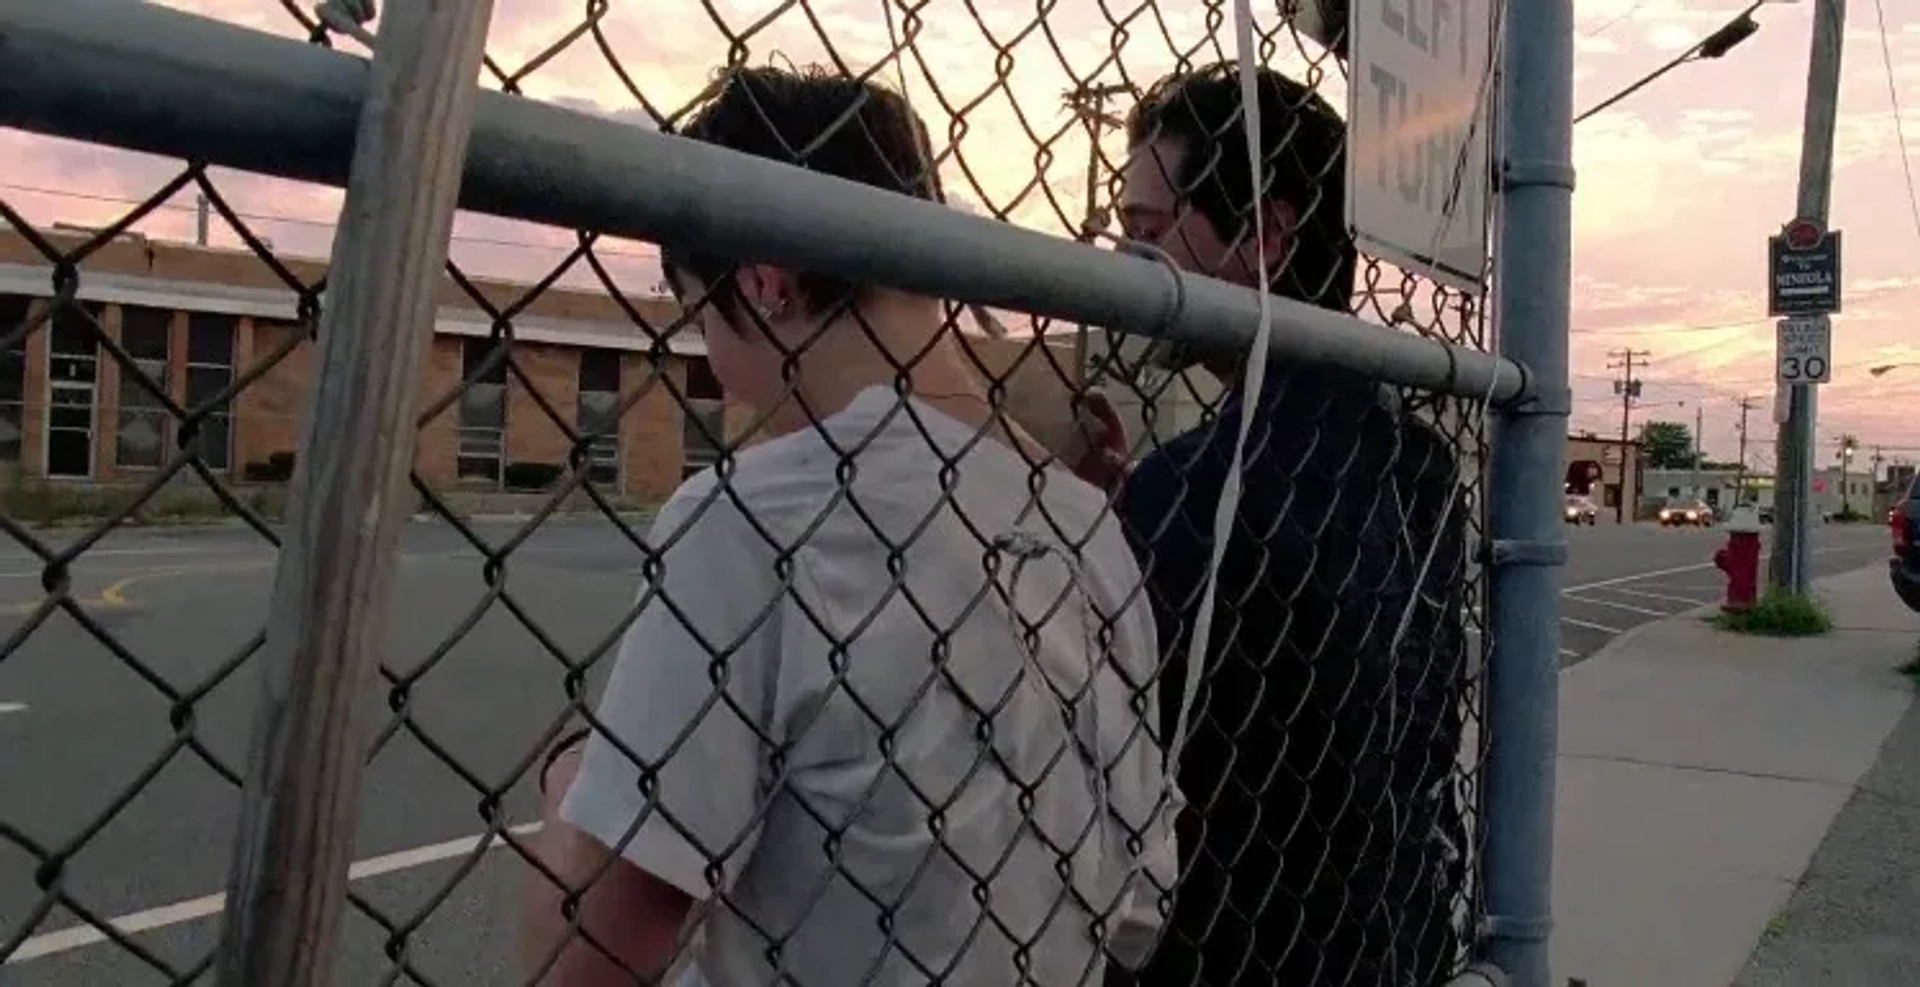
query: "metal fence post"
1528, 546
325, 626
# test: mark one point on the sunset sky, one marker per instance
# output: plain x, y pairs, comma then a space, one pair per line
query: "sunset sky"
1679, 186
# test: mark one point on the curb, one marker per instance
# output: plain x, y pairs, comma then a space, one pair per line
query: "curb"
1697, 613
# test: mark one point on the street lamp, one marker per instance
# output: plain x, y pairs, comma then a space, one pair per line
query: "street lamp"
1715, 45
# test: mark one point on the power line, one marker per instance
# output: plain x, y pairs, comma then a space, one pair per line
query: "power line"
1899, 128
311, 223
1714, 45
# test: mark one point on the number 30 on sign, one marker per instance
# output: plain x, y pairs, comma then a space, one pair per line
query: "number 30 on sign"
1805, 348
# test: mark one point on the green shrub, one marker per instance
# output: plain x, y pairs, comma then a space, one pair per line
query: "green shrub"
532, 476
1911, 667
1780, 615
278, 468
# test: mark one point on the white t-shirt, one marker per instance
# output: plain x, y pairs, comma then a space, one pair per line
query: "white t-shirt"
913, 806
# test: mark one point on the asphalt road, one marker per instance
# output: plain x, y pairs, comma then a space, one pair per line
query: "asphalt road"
82, 728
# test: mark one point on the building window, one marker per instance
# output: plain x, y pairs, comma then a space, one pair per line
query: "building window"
145, 424
210, 339
483, 412
704, 427
599, 414
13, 377
73, 368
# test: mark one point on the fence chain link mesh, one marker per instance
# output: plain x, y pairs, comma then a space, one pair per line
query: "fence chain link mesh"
1330, 828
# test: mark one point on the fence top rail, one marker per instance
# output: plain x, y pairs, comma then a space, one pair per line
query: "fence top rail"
147, 78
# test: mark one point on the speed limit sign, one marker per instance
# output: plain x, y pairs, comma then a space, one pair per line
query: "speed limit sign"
1805, 350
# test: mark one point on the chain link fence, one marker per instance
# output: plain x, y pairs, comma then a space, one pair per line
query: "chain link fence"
839, 674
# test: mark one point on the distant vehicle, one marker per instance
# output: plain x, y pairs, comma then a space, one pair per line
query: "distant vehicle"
1690, 513
1903, 569
1580, 510
1766, 513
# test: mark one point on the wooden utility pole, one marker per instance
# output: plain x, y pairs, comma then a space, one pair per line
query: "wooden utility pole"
1628, 387
1740, 467
1088, 103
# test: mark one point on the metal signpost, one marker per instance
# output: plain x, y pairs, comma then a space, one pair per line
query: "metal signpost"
1418, 172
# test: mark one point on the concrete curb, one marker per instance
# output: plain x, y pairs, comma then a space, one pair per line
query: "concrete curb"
1697, 613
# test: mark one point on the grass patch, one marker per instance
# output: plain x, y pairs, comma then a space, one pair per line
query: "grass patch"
188, 502
1779, 615
1911, 667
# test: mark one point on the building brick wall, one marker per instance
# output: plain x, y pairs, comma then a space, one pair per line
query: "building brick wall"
268, 412
534, 432
651, 449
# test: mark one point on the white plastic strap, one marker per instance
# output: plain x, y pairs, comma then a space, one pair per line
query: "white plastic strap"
1247, 54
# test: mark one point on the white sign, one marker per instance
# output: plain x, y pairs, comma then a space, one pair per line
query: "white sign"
1419, 111
1805, 350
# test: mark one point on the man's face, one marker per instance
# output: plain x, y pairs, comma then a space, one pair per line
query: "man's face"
1153, 211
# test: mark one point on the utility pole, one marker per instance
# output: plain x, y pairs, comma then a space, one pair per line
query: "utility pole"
1740, 467
202, 219
1788, 570
1628, 388
1089, 104
1699, 425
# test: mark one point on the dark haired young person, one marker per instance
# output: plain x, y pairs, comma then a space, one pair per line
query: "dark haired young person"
1323, 839
877, 720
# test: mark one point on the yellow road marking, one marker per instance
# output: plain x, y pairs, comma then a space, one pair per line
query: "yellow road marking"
114, 596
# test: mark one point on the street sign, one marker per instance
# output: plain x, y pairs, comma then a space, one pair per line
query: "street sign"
1804, 348
1803, 270
1419, 179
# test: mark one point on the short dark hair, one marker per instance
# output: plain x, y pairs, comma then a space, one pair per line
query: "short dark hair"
1304, 157
824, 121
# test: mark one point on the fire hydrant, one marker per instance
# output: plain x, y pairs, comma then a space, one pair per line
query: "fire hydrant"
1740, 560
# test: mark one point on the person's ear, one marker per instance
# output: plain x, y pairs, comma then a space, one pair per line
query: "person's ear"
772, 294
1278, 220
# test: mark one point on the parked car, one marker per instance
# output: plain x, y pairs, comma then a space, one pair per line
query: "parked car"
1580, 510
1691, 513
1903, 569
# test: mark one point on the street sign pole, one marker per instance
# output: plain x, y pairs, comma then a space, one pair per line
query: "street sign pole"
1788, 568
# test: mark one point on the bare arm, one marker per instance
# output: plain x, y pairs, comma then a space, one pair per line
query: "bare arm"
634, 918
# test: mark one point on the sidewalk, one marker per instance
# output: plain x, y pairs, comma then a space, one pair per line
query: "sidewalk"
1699, 772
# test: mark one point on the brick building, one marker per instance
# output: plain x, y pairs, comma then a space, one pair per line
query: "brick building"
1608, 471
200, 320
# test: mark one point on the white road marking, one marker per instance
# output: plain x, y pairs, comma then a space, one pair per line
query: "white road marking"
1590, 625
1690, 601
1628, 607
1696, 567
6, 708
74, 937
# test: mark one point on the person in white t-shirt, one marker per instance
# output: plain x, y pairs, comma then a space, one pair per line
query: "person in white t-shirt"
886, 712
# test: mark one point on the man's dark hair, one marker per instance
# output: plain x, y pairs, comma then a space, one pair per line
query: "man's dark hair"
1303, 158
818, 119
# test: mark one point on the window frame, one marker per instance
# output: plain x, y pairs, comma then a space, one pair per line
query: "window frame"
604, 462
480, 443
143, 404
224, 416
55, 384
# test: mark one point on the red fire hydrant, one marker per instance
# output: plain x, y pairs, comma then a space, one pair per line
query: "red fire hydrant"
1740, 560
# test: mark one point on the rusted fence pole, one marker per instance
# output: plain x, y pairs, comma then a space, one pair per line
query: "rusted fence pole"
288, 882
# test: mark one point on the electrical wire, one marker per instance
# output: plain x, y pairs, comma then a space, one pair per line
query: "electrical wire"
1899, 127
1683, 58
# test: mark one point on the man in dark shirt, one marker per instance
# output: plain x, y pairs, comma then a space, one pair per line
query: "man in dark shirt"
1323, 842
